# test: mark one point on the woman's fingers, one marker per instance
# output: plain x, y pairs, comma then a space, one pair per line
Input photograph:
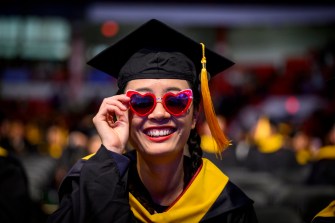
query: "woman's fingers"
112, 122
114, 106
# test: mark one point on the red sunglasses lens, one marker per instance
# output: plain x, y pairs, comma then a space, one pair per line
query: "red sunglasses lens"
176, 104
141, 104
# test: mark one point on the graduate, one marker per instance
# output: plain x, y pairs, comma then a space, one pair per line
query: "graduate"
16, 205
162, 78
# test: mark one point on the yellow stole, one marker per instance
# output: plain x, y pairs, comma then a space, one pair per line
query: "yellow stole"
329, 211
195, 201
3, 152
326, 152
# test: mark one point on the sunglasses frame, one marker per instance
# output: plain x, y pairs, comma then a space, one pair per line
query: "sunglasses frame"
188, 92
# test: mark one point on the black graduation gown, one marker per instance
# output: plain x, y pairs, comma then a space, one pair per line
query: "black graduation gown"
15, 201
95, 190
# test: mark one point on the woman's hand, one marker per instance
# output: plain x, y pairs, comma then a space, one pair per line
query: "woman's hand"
112, 122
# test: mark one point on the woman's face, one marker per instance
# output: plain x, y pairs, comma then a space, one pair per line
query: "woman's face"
160, 133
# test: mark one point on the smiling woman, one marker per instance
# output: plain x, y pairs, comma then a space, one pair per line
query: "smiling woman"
155, 111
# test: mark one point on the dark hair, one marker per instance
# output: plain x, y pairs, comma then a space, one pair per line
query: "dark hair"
194, 149
194, 139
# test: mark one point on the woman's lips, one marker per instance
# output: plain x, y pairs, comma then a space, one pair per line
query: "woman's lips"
159, 134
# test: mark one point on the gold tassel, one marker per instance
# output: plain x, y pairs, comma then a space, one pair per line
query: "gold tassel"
216, 131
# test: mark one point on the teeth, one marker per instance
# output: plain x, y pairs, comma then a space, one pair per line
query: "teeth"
159, 132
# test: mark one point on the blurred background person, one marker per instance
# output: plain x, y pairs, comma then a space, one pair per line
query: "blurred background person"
15, 201
323, 164
224, 160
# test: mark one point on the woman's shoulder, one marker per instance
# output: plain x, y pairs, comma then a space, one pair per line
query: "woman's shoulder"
231, 202
93, 166
231, 196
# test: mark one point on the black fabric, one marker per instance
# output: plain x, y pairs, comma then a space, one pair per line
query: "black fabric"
156, 35
278, 162
227, 160
324, 220
15, 201
243, 214
94, 192
157, 63
322, 172
276, 214
231, 206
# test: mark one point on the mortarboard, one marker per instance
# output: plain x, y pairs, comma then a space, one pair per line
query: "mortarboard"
155, 50
156, 37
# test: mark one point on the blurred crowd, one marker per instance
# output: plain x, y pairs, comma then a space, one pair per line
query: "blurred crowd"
42, 156
289, 173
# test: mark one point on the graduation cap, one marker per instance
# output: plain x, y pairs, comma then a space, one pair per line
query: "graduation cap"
155, 50
156, 36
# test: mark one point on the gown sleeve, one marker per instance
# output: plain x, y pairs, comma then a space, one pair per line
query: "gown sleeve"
95, 190
243, 211
232, 206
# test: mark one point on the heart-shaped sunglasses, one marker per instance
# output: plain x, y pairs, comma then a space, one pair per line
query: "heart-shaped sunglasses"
176, 104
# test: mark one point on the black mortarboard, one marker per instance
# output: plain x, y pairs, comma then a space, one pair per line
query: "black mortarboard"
155, 50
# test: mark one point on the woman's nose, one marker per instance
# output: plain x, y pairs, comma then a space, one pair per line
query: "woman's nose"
159, 112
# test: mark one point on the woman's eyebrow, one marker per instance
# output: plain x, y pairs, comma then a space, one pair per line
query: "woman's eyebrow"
173, 89
143, 89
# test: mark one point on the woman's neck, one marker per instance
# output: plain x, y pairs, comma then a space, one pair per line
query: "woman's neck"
164, 181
